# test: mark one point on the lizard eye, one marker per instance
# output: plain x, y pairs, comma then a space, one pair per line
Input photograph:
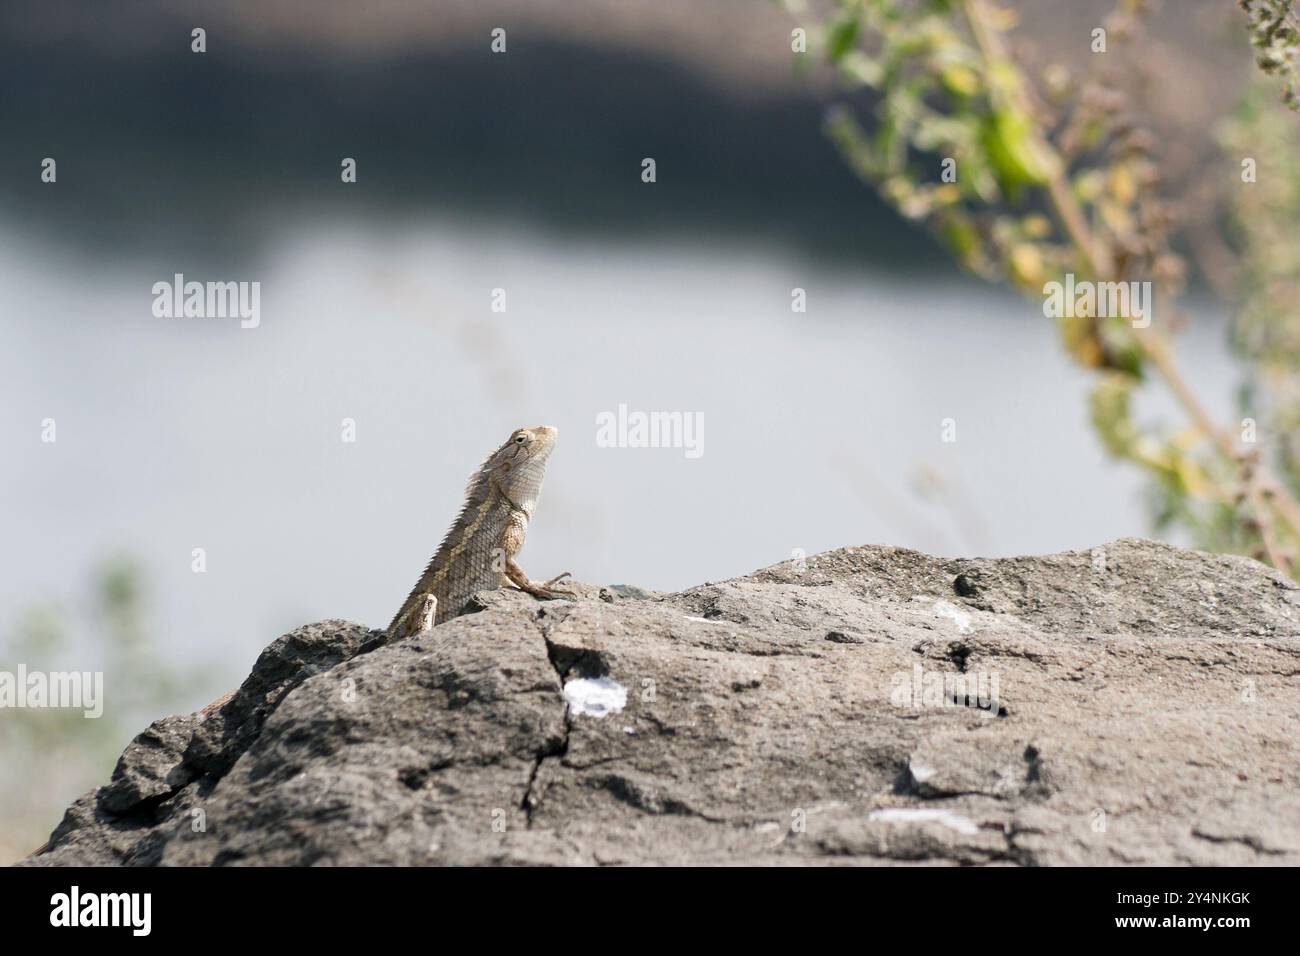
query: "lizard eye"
520, 439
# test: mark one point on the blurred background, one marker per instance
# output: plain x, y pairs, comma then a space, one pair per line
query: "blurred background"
479, 171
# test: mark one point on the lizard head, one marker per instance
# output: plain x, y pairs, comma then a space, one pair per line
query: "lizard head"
520, 464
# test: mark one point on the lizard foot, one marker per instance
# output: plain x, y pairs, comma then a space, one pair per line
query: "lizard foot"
547, 591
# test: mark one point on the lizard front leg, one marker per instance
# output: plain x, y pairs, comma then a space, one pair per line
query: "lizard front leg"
512, 543
539, 589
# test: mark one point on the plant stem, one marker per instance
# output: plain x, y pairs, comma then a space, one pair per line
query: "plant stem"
1098, 261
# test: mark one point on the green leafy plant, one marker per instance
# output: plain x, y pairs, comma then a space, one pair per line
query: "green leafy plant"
1038, 180
1275, 34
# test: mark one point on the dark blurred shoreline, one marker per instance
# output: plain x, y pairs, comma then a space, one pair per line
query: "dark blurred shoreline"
548, 134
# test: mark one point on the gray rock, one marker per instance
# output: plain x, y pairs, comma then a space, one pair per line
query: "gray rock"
1134, 704
152, 765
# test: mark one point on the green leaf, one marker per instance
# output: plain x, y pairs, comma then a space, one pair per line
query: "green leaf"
1008, 139
843, 37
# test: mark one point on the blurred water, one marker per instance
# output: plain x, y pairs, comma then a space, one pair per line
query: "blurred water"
182, 434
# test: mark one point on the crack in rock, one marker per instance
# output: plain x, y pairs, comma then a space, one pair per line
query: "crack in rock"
531, 800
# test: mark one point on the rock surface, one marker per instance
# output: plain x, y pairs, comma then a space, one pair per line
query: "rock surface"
1136, 704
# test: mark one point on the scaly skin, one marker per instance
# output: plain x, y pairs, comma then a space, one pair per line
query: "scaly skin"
478, 553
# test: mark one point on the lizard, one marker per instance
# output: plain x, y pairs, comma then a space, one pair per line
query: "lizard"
478, 552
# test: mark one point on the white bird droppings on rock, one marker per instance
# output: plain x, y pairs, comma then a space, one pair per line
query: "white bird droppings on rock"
956, 614
595, 696
913, 815
921, 774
